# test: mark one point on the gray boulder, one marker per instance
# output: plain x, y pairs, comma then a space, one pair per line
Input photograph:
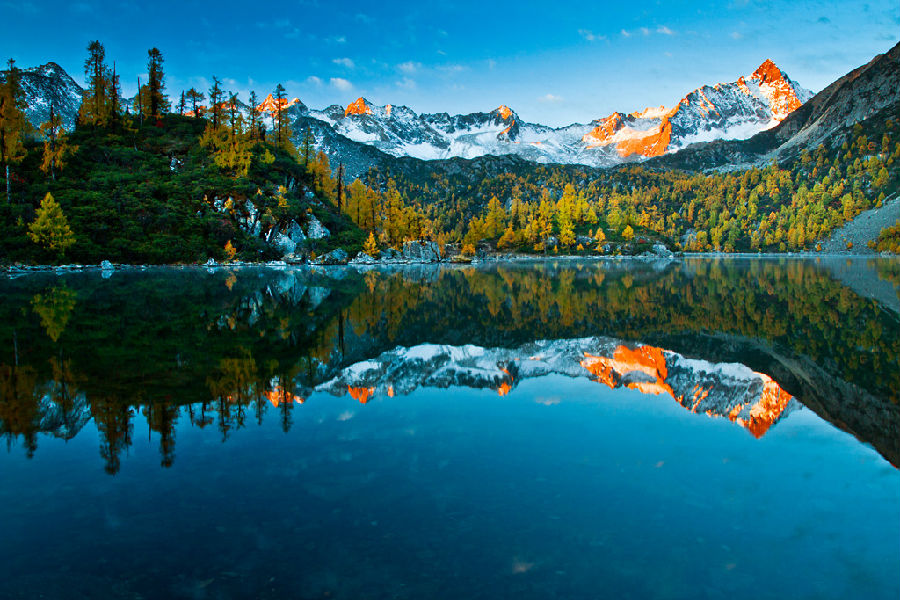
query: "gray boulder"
315, 230
335, 257
295, 232
390, 255
363, 259
284, 244
106, 265
661, 251
421, 252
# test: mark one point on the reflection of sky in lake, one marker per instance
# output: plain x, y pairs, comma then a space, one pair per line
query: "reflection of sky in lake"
561, 489
441, 449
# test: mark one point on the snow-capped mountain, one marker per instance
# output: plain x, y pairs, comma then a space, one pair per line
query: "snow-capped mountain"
355, 134
50, 84
728, 390
735, 110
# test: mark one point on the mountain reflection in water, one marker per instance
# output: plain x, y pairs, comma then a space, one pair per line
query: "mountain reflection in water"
744, 340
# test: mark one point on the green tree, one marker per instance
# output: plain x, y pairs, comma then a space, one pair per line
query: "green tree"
50, 228
158, 103
195, 98
216, 96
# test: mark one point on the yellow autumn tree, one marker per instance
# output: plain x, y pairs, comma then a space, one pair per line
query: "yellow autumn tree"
50, 227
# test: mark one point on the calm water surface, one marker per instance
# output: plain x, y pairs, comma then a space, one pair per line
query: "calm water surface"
697, 429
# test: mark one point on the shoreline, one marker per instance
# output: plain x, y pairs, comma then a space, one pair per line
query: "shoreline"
503, 258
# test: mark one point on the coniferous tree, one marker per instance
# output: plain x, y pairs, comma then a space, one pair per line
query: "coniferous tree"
13, 124
216, 94
309, 142
56, 146
181, 104
194, 97
254, 116
277, 118
158, 103
50, 228
100, 101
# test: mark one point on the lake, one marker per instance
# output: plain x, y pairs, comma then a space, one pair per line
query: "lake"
690, 429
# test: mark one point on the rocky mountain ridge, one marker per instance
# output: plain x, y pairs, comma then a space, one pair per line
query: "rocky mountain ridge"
351, 133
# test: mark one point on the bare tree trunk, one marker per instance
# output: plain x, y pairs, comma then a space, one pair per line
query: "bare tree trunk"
7, 184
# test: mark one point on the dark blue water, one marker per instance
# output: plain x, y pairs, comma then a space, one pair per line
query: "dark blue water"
559, 486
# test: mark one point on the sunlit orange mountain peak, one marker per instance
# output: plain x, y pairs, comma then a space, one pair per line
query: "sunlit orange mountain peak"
272, 105
644, 368
358, 108
504, 111
725, 110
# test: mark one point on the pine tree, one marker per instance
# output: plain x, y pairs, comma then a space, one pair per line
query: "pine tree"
158, 103
309, 142
13, 124
195, 97
216, 94
99, 101
50, 228
56, 147
181, 104
280, 120
254, 116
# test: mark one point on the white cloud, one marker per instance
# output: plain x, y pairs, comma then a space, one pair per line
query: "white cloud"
550, 99
341, 84
409, 67
406, 84
645, 30
337, 39
590, 35
736, 35
316, 81
491, 64
664, 30
452, 69
345, 62
625, 34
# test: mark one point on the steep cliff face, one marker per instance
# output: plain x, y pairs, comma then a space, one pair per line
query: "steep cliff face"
724, 111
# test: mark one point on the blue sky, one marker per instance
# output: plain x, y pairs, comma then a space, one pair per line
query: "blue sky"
552, 62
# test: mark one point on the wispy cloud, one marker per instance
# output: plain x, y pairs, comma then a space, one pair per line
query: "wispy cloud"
406, 84
590, 35
344, 62
550, 99
737, 35
341, 84
22, 7
336, 39
316, 81
625, 33
664, 30
452, 69
409, 67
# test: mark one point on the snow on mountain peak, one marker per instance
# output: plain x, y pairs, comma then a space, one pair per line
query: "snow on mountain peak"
504, 111
783, 95
360, 107
271, 105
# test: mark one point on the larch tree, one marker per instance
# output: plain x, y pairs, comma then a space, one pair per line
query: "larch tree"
56, 146
50, 228
13, 124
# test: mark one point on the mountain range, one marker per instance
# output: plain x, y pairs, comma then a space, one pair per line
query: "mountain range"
759, 117
734, 110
